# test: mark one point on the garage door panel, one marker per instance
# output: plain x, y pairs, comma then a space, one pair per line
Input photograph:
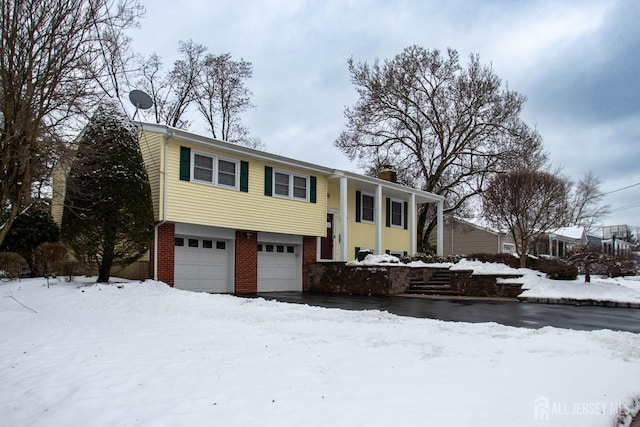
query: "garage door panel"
202, 265
279, 267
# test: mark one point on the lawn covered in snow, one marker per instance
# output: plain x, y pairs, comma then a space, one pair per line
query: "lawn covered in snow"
145, 354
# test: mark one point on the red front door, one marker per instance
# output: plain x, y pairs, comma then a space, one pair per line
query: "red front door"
326, 243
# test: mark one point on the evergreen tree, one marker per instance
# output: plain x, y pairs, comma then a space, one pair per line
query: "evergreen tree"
29, 230
108, 213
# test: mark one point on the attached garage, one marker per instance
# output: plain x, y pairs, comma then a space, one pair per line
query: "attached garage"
203, 264
279, 263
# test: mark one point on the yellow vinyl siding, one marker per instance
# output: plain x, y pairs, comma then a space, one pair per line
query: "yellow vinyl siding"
395, 239
363, 234
59, 188
151, 147
333, 198
205, 204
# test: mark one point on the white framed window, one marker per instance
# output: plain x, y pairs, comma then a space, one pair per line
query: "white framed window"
508, 248
202, 168
214, 170
367, 207
397, 213
227, 173
290, 185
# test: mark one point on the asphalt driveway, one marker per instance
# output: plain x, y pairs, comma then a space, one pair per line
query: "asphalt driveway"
506, 312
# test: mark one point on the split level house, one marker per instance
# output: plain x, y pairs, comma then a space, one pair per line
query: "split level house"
232, 219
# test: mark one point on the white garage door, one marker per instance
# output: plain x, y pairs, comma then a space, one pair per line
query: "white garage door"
202, 264
279, 267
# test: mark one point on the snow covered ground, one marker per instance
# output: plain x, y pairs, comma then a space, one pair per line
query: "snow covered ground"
145, 354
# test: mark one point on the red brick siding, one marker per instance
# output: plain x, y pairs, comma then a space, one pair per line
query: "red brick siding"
166, 258
309, 253
246, 268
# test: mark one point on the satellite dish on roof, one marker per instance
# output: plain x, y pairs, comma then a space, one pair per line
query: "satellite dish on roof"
141, 100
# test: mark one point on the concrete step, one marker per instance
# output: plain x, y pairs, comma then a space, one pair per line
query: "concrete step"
432, 292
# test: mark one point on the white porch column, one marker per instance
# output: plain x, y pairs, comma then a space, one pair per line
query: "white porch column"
440, 228
343, 218
378, 220
413, 232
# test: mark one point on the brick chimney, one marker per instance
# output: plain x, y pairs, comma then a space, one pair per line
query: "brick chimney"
387, 173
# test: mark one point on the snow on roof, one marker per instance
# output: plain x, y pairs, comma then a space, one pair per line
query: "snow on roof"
573, 232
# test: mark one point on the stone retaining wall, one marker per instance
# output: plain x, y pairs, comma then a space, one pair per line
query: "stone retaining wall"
394, 279
464, 282
338, 278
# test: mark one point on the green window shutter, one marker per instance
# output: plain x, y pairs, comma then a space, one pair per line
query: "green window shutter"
244, 176
406, 214
358, 205
268, 181
185, 163
357, 251
312, 189
388, 212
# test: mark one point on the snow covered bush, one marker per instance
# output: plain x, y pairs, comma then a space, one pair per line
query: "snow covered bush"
506, 259
429, 258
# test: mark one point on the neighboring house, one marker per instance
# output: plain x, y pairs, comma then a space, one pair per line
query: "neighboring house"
560, 242
466, 237
235, 219
615, 246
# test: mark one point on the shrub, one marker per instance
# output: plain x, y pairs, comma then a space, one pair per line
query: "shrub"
429, 258
556, 269
48, 259
506, 259
12, 265
70, 269
29, 230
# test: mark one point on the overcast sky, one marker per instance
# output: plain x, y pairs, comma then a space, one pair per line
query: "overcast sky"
577, 62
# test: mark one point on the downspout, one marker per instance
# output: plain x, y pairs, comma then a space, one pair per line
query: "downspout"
164, 206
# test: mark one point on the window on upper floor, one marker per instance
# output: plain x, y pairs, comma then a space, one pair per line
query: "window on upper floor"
198, 166
214, 170
396, 213
290, 185
367, 205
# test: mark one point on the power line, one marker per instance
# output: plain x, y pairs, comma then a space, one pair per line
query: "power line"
620, 189
634, 205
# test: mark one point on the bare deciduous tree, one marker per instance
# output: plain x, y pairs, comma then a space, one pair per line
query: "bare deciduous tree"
585, 197
526, 202
445, 128
56, 57
214, 83
172, 94
222, 96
